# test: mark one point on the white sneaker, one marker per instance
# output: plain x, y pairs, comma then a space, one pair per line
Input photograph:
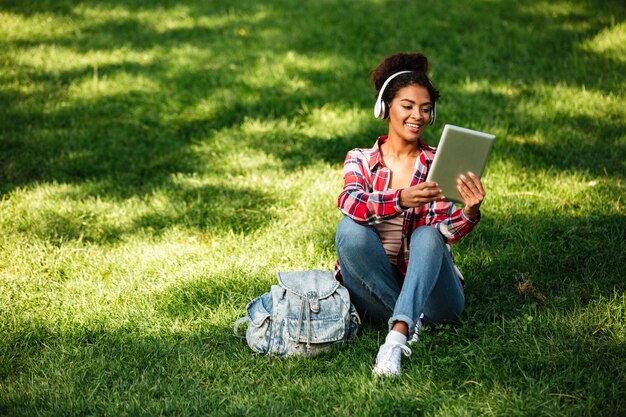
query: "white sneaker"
389, 357
416, 333
414, 339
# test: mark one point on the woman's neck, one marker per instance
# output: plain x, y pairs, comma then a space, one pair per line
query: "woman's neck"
400, 149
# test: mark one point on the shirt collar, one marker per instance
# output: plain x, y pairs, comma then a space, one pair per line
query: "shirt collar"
377, 159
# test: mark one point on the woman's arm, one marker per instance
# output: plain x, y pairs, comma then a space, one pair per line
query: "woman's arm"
455, 223
451, 221
358, 200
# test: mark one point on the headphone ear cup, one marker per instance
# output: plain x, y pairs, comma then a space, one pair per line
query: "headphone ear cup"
378, 109
433, 115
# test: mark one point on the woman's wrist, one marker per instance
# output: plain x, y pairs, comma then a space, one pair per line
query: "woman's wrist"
471, 214
400, 202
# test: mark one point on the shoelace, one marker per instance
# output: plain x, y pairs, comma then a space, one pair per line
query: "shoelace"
416, 333
404, 349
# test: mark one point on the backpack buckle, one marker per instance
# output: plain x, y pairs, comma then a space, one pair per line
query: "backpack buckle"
314, 301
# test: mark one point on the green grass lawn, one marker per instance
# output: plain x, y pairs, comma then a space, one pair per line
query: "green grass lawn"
161, 161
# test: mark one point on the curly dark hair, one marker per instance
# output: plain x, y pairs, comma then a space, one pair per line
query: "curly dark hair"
415, 62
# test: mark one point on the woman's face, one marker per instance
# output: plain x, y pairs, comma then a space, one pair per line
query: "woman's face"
409, 112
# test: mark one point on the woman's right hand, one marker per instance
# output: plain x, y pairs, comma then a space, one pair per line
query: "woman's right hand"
420, 194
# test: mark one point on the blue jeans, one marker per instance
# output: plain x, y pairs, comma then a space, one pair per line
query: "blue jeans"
380, 292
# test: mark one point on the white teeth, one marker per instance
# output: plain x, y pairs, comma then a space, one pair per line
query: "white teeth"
413, 125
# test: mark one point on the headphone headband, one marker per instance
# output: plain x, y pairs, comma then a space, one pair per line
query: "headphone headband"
378, 107
380, 110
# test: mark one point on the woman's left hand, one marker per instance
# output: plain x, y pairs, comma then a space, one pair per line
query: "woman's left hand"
473, 193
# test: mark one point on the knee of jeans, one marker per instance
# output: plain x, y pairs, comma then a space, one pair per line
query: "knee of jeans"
426, 236
451, 315
351, 235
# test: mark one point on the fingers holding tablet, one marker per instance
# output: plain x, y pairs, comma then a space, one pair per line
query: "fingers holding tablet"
472, 191
460, 151
420, 194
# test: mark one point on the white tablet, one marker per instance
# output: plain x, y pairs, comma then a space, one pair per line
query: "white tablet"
460, 150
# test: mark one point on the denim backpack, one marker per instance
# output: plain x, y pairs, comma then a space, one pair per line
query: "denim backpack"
307, 313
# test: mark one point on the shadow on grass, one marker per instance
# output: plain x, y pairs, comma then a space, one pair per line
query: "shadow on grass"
206, 209
228, 289
554, 262
139, 138
132, 143
189, 365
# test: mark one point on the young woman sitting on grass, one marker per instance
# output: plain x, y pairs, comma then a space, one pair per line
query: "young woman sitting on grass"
392, 242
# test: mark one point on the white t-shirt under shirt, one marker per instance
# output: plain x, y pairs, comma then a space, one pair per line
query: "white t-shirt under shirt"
391, 236
391, 232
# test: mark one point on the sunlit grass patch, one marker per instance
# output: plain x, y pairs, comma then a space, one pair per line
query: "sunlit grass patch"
574, 101
160, 162
57, 59
37, 27
610, 42
97, 85
164, 18
330, 121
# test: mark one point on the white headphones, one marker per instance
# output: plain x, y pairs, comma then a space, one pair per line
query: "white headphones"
380, 108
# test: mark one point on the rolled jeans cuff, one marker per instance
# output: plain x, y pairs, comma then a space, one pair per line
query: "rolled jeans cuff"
404, 318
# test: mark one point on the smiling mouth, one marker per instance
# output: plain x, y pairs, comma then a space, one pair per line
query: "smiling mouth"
413, 125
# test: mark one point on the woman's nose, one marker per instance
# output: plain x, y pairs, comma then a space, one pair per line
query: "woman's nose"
417, 115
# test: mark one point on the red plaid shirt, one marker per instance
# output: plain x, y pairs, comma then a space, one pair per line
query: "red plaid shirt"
366, 199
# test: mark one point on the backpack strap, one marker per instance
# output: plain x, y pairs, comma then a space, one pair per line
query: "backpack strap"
309, 303
237, 324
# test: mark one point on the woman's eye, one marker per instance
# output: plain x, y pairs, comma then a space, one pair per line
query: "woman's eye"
407, 107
